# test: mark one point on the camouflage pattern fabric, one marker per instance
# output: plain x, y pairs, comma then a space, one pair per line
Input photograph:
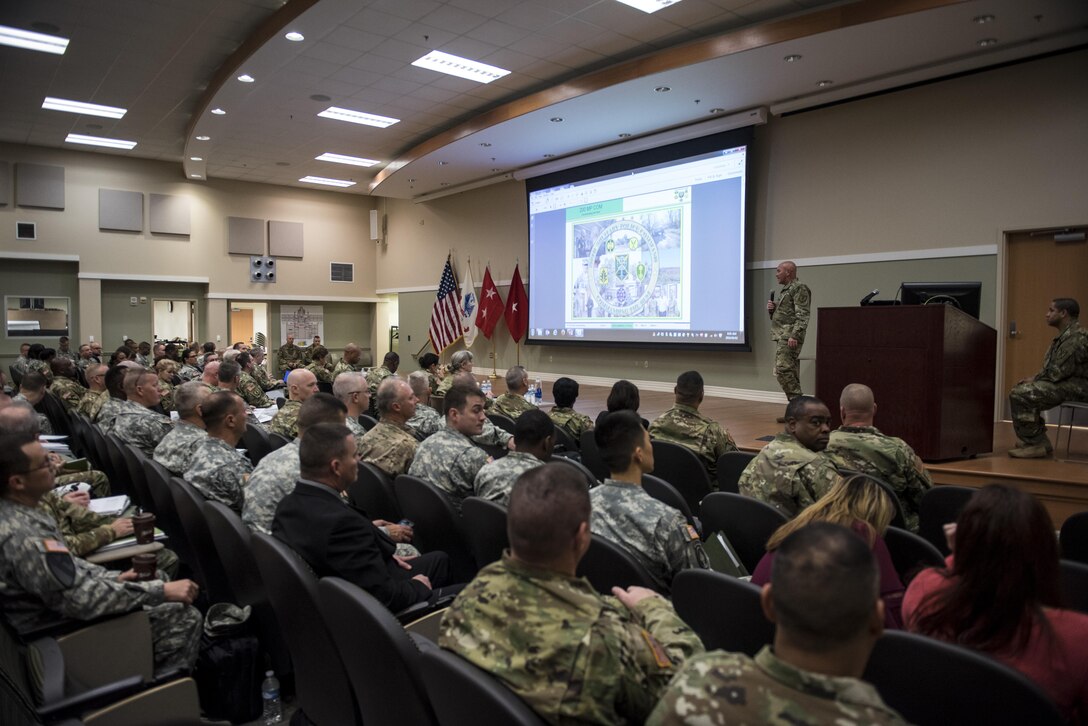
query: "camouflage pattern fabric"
432, 381
273, 479
37, 366
91, 402
66, 354
98, 481
41, 584
1064, 377
512, 405
495, 480
787, 368
176, 449
83, 530
449, 460
342, 366
321, 373
252, 392
790, 320
219, 472
289, 357
166, 395
357, 429
572, 655
427, 421
731, 688
374, 379
865, 449
575, 423
68, 391
260, 374
684, 425
145, 361
188, 373
787, 475
285, 422
84, 363
43, 421
388, 446
141, 427
21, 365
107, 412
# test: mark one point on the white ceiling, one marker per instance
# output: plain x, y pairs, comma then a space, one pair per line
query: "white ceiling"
158, 57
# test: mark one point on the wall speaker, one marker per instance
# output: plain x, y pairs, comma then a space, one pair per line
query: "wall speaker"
262, 269
375, 230
26, 230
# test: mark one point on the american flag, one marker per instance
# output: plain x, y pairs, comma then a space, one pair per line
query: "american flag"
445, 327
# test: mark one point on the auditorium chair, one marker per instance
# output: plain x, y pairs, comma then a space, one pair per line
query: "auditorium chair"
256, 443
372, 491
941, 505
910, 553
485, 527
1074, 585
724, 612
463, 694
662, 491
747, 523
591, 456
1074, 538
591, 481
367, 421
188, 502
278, 440
502, 421
898, 519
438, 527
679, 466
731, 465
607, 565
564, 441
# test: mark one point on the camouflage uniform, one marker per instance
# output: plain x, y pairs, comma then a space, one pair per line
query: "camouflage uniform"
44, 426
176, 449
427, 421
787, 475
657, 535
285, 422
357, 429
342, 366
145, 361
790, 320
188, 373
289, 357
684, 425
444, 385
41, 584
449, 460
495, 480
575, 423
252, 392
374, 379
512, 405
260, 374
84, 363
865, 449
273, 479
38, 366
141, 427
97, 480
321, 373
219, 472
572, 655
1064, 377
388, 446
731, 688
68, 391
166, 395
66, 354
91, 402
107, 412
21, 366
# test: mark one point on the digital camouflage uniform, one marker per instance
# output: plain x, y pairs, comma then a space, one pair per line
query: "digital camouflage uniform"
571, 654
21, 366
684, 425
658, 536
285, 422
188, 373
107, 412
787, 475
495, 480
219, 472
273, 479
69, 392
357, 429
141, 427
44, 426
321, 373
731, 688
790, 320
427, 421
388, 446
68, 354
84, 363
511, 405
1064, 377
91, 402
175, 451
342, 366
865, 449
41, 584
449, 460
252, 392
289, 357
575, 423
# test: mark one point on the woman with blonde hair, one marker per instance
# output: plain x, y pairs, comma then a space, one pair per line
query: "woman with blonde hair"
861, 505
166, 368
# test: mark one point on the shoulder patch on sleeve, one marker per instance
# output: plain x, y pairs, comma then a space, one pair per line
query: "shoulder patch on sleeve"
59, 562
660, 656
690, 531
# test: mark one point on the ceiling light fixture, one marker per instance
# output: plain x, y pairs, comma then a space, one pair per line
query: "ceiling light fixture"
625, 135
246, 78
203, 138
455, 65
549, 156
649, 6
88, 109
295, 37
987, 42
793, 58
662, 89
823, 84
327, 182
443, 163
496, 170
194, 176
717, 110
983, 19
344, 159
219, 112
484, 143
33, 41
196, 158
556, 119
358, 117
100, 141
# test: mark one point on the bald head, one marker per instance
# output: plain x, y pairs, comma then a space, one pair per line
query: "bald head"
19, 417
211, 373
352, 353
856, 405
786, 272
301, 384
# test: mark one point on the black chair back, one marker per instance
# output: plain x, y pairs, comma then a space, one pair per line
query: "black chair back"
324, 387
1074, 538
485, 527
189, 502
166, 515
437, 524
898, 519
939, 506
256, 443
607, 565
910, 553
462, 693
1074, 584
278, 440
924, 680
382, 662
367, 421
723, 611
731, 465
564, 439
134, 467
373, 492
16, 376
117, 470
503, 421
662, 491
54, 410
679, 466
280, 402
747, 522
591, 481
591, 456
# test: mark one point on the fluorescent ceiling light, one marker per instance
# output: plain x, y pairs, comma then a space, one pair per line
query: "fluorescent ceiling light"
295, 37
343, 159
196, 158
327, 182
649, 6
32, 41
218, 111
100, 141
203, 138
358, 117
246, 78
454, 65
87, 109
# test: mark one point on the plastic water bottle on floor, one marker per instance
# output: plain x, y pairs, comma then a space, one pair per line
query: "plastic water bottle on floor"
270, 694
539, 392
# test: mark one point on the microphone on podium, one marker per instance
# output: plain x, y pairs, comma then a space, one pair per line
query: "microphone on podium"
865, 300
770, 313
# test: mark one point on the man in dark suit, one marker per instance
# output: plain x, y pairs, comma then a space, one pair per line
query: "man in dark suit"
335, 538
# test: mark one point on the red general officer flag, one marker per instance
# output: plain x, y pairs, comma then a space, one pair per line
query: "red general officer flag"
490, 310
517, 308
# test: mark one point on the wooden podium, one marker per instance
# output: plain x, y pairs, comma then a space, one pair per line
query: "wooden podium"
931, 367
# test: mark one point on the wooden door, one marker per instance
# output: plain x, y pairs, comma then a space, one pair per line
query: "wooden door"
241, 326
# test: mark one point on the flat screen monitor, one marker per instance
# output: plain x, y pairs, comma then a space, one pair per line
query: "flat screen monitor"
967, 296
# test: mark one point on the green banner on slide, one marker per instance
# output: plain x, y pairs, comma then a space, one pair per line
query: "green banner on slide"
597, 209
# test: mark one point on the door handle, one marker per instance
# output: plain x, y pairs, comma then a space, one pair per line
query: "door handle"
1012, 329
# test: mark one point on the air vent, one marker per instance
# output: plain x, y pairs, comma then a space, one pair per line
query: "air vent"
341, 272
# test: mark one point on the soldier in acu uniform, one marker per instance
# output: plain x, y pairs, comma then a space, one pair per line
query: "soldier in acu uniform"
135, 422
789, 321
534, 436
683, 424
96, 395
565, 393
218, 470
175, 451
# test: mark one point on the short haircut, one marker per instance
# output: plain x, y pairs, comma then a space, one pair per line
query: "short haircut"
532, 427
689, 386
216, 407
514, 376
457, 397
97, 369
856, 397
229, 371
323, 443
209, 347
133, 379
34, 351
321, 408
243, 359
33, 382
565, 392
623, 396
1067, 304
319, 352
47, 354
115, 382
428, 360
617, 436
387, 393
231, 354
795, 409
188, 396
13, 460
391, 357
61, 366
347, 384
824, 586
460, 358
420, 383
19, 417
165, 364
547, 506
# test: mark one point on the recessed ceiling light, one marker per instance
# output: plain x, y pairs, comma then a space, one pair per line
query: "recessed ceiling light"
320, 97
358, 117
454, 65
792, 58
556, 119
246, 78
327, 182
823, 84
445, 184
649, 6
196, 158
344, 159
987, 42
203, 138
33, 41
194, 176
717, 110
88, 109
496, 170
549, 156
295, 37
983, 19
662, 89
100, 141
484, 143
625, 135
218, 112
411, 180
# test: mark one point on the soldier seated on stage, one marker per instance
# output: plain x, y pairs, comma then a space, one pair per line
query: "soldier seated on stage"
391, 445
512, 403
683, 424
823, 600
301, 384
571, 654
534, 439
565, 393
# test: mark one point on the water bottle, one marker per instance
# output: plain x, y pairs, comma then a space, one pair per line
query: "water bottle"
487, 387
270, 694
539, 392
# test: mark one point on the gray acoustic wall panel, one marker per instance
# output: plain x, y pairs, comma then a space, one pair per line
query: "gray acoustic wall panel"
169, 214
120, 210
5, 184
39, 185
245, 236
285, 239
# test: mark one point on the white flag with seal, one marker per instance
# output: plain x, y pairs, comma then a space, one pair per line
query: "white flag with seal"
468, 304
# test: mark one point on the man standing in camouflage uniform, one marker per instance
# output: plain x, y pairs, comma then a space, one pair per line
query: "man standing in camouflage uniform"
565, 393
301, 384
859, 446
534, 436
248, 387
64, 349
789, 321
349, 362
658, 536
65, 386
824, 602
218, 470
571, 654
175, 451
1064, 377
390, 445
41, 583
289, 356
96, 395
512, 403
792, 471
135, 422
683, 424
